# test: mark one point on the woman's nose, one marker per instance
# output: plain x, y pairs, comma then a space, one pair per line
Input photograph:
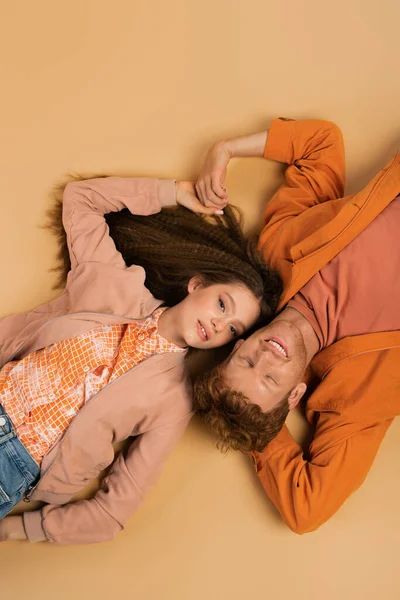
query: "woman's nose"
217, 325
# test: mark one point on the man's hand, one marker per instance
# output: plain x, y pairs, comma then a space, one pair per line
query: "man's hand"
186, 196
11, 529
210, 184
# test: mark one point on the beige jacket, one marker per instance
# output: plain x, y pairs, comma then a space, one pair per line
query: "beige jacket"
152, 401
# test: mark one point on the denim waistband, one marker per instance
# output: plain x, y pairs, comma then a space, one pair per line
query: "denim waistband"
7, 432
19, 472
6, 427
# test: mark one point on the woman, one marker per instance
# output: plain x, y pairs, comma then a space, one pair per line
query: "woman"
105, 360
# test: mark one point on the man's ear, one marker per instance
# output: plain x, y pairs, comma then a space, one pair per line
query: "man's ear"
195, 283
296, 394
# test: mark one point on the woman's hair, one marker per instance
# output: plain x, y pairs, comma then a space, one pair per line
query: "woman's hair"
232, 418
176, 244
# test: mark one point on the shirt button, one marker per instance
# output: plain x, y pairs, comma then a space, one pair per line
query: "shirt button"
141, 336
2, 421
52, 396
86, 369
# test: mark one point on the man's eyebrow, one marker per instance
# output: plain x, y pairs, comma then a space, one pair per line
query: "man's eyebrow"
242, 362
270, 385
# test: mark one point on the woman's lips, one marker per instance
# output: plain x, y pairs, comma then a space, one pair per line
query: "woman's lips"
202, 331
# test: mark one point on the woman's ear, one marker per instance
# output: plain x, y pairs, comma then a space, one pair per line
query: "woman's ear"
195, 283
296, 394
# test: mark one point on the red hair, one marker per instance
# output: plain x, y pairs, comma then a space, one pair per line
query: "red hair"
237, 423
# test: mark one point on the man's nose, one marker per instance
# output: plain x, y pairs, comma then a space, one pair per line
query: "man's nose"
261, 356
257, 356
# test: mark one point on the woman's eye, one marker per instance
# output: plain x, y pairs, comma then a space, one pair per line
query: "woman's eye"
222, 305
233, 330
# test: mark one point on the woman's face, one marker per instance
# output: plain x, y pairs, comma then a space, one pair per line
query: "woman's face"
214, 315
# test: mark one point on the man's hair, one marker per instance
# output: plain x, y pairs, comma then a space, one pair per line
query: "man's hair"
175, 245
237, 423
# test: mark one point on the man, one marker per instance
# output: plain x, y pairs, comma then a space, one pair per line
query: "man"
339, 329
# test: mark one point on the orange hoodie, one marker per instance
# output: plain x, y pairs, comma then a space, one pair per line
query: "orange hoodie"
357, 395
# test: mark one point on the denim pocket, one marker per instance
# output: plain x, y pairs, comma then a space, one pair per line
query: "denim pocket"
11, 477
3, 496
6, 506
18, 470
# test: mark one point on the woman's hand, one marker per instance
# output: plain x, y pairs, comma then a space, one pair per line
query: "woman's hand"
186, 196
210, 184
11, 529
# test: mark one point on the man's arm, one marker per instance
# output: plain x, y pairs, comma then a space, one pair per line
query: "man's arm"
308, 492
314, 151
353, 407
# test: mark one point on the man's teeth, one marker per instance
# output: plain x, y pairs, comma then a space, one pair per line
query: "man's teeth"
277, 346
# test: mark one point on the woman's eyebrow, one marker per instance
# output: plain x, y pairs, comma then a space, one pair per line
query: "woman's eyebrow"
232, 306
231, 302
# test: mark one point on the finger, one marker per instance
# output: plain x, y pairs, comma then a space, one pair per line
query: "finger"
205, 210
217, 185
211, 197
201, 191
194, 204
213, 207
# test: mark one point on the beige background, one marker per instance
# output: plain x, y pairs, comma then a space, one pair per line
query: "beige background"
143, 88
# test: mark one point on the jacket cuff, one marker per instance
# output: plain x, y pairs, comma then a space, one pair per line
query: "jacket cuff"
279, 144
166, 192
33, 526
283, 440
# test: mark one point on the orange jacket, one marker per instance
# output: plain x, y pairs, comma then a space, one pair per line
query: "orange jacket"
357, 395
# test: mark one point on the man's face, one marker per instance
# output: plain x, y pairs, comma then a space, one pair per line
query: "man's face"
269, 365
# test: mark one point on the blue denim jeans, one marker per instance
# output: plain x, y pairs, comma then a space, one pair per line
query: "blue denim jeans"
18, 471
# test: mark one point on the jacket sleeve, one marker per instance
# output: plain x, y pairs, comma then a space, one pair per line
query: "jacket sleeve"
314, 151
86, 202
308, 492
121, 493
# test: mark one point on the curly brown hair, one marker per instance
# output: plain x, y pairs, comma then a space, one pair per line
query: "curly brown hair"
175, 245
237, 423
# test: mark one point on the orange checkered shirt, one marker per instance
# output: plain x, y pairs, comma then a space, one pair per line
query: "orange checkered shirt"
44, 391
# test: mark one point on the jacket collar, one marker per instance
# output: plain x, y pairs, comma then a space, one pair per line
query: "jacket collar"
358, 210
348, 347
